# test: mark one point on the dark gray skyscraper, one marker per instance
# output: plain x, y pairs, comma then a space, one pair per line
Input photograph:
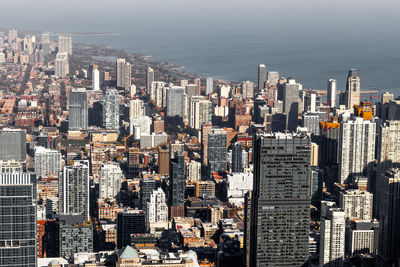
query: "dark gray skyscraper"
12, 144
177, 186
78, 109
237, 162
17, 220
291, 103
262, 76
110, 103
217, 155
280, 208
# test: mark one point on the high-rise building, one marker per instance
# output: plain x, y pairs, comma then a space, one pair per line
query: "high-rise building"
61, 65
12, 35
73, 189
127, 76
156, 208
136, 108
177, 186
18, 239
205, 130
352, 89
357, 204
332, 239
389, 217
147, 186
163, 161
217, 154
110, 103
65, 44
209, 86
121, 72
291, 103
262, 76
129, 222
13, 144
47, 162
78, 109
248, 89
110, 181
192, 90
156, 93
331, 96
277, 232
362, 237
193, 171
95, 78
149, 79
175, 100
356, 148
272, 78
237, 153
200, 111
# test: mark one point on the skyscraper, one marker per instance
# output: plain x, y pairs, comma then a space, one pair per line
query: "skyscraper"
237, 162
156, 208
291, 103
356, 148
127, 79
121, 72
12, 144
61, 65
78, 109
332, 240
272, 78
205, 130
279, 225
352, 89
47, 162
217, 154
129, 222
357, 204
73, 189
177, 186
331, 97
175, 101
110, 103
65, 44
209, 85
136, 108
110, 181
95, 78
262, 76
199, 111
18, 238
248, 89
149, 79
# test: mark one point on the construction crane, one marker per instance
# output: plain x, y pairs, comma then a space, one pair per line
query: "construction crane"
124, 140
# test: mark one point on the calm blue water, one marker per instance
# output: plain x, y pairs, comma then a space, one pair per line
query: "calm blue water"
310, 40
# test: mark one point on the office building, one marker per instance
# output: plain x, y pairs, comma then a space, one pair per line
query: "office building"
332, 238
110, 181
352, 93
291, 103
61, 65
209, 86
149, 79
65, 44
73, 189
13, 144
95, 78
47, 162
177, 186
279, 223
110, 103
156, 208
18, 237
217, 154
248, 89
121, 62
78, 109
175, 100
356, 204
237, 161
356, 148
136, 108
262, 76
272, 78
331, 94
163, 161
362, 237
127, 79
129, 222
205, 130
147, 185
200, 112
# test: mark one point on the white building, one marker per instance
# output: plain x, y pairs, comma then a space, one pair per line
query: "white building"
110, 103
332, 238
238, 184
209, 85
356, 204
65, 44
47, 162
156, 207
152, 140
199, 112
361, 237
110, 181
95, 79
157, 93
136, 108
224, 91
248, 89
357, 148
140, 125
331, 97
62, 65
193, 170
